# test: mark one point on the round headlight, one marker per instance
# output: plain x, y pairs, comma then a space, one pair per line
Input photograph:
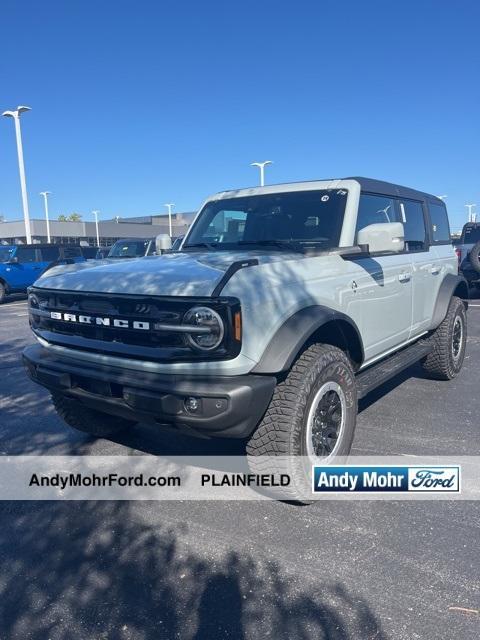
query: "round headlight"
210, 325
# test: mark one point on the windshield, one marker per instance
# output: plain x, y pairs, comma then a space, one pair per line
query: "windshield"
129, 249
5, 254
280, 220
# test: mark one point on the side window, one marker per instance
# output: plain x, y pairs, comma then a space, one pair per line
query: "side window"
72, 252
439, 222
26, 254
375, 210
49, 254
411, 214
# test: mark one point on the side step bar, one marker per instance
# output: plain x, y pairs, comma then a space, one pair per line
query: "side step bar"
379, 373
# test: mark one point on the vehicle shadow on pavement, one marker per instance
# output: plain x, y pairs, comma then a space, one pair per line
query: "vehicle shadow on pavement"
99, 570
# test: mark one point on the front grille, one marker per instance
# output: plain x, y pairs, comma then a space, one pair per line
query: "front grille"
128, 316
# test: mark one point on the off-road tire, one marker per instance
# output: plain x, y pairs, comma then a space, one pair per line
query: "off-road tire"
440, 362
474, 257
82, 418
282, 431
3, 293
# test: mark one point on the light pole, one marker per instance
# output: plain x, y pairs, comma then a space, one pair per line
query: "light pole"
169, 207
45, 195
261, 166
95, 213
470, 207
21, 167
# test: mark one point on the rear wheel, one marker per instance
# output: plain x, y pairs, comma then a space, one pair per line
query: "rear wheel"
449, 343
87, 420
311, 419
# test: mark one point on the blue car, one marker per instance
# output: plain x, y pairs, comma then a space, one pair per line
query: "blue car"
21, 265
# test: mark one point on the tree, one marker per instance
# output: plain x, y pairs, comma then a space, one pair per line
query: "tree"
73, 217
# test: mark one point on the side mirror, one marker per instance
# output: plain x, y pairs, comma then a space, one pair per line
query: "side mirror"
163, 242
385, 236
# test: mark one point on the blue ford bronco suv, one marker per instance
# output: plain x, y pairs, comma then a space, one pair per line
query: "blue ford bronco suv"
284, 305
21, 265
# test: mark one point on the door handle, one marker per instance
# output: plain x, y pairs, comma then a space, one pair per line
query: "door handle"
435, 271
404, 277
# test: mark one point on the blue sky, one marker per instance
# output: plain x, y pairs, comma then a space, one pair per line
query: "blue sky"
135, 104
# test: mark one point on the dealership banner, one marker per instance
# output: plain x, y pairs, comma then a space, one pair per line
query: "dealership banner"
140, 477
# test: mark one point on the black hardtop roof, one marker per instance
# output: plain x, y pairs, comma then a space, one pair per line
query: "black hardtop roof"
133, 240
390, 189
40, 245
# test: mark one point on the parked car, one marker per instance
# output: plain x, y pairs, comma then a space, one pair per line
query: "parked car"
467, 249
132, 248
21, 265
286, 305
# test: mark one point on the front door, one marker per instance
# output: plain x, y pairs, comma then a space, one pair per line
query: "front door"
25, 270
382, 284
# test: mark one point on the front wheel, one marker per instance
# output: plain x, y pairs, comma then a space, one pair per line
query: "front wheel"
311, 419
82, 418
449, 341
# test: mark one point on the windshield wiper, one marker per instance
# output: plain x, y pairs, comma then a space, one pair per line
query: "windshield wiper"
208, 245
281, 244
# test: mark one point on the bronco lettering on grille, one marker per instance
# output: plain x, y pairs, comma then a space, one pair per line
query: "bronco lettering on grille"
119, 323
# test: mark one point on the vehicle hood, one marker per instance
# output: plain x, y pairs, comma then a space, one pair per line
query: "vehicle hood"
174, 274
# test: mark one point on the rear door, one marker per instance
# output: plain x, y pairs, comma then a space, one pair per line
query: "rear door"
424, 268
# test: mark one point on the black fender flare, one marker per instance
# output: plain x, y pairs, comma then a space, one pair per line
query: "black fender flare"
286, 344
451, 285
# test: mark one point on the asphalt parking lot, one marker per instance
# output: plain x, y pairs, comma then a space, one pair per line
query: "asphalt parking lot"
336, 571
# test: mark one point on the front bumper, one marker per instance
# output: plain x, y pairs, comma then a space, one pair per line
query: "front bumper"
226, 406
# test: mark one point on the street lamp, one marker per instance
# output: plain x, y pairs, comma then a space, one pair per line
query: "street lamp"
470, 207
169, 207
261, 166
95, 213
45, 195
21, 167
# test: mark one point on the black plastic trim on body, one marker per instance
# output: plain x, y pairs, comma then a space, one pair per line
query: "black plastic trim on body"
232, 406
288, 341
232, 269
450, 286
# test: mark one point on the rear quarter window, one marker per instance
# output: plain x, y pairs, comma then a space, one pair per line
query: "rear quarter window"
440, 228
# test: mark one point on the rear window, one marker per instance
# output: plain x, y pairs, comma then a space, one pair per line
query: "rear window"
72, 252
49, 254
472, 235
439, 223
